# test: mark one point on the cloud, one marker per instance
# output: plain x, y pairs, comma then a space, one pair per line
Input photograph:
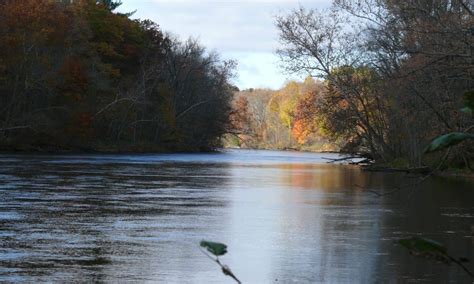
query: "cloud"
230, 27
223, 2
258, 70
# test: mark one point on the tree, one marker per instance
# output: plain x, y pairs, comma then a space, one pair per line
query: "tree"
390, 67
306, 115
240, 116
79, 75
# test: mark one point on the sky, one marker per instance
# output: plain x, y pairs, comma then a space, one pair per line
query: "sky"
243, 30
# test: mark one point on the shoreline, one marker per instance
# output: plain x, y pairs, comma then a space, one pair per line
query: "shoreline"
449, 173
112, 151
59, 150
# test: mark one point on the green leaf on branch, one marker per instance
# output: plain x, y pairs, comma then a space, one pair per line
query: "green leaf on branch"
430, 249
447, 140
216, 249
467, 110
426, 248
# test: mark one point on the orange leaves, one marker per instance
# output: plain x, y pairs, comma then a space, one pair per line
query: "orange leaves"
32, 30
79, 68
306, 117
301, 131
283, 118
75, 79
34, 20
240, 116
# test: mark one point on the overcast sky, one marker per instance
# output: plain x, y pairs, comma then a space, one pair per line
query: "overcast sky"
243, 30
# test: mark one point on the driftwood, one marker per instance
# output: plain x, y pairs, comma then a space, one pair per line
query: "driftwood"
349, 159
418, 170
367, 165
14, 128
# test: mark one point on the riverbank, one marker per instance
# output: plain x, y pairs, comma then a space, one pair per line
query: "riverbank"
396, 166
457, 174
101, 148
144, 148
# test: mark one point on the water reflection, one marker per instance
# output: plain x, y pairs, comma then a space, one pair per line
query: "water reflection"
307, 207
286, 217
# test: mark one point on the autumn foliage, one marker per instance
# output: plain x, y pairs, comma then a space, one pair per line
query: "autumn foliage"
78, 75
281, 119
394, 74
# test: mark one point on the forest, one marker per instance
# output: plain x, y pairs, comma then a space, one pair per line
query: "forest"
390, 76
383, 79
79, 76
278, 119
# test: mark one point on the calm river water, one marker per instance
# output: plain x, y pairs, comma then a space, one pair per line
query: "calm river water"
285, 216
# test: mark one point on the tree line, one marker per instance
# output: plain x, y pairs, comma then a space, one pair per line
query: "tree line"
278, 119
78, 75
395, 74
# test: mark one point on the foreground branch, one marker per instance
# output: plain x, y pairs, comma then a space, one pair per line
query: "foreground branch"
225, 269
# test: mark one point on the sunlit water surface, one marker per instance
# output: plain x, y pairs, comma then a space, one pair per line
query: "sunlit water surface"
286, 217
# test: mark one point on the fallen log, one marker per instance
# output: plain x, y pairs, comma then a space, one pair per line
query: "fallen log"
418, 170
350, 160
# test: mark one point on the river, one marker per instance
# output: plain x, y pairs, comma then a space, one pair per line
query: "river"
285, 216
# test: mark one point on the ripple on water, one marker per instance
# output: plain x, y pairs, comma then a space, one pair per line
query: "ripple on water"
284, 215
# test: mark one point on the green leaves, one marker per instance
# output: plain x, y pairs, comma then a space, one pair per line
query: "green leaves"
430, 249
447, 140
469, 103
216, 249
422, 244
451, 139
426, 248
467, 110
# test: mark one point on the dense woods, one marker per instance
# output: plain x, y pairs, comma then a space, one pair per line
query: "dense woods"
395, 74
279, 119
77, 75
385, 78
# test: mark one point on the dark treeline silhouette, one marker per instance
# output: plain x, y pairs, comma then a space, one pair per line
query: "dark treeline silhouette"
396, 73
77, 75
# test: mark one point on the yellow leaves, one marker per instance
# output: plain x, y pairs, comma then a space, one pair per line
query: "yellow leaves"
273, 104
284, 102
106, 49
292, 104
287, 112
